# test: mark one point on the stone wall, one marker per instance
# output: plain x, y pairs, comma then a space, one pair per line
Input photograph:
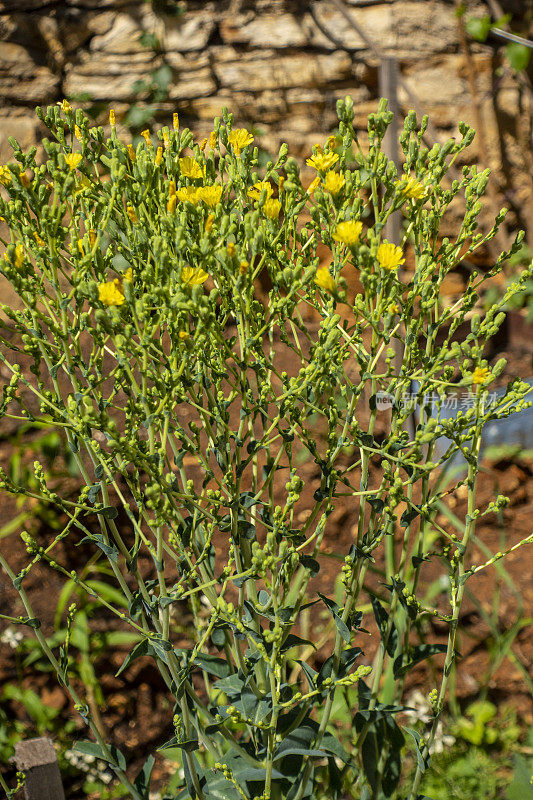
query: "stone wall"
279, 65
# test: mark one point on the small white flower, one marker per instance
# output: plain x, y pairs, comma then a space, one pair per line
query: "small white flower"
12, 637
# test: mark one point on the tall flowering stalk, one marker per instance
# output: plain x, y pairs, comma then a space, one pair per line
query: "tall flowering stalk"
150, 351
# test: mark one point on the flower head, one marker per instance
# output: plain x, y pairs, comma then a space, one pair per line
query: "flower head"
212, 140
5, 176
412, 188
256, 190
131, 152
390, 256
19, 256
188, 194
239, 139
110, 293
334, 182
190, 168
112, 118
193, 276
325, 280
480, 375
313, 185
348, 232
322, 162
393, 308
130, 211
210, 194
271, 208
73, 159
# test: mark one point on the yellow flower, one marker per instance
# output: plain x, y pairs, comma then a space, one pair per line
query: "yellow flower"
410, 187
212, 140
193, 276
188, 194
147, 138
40, 242
480, 375
25, 180
158, 156
171, 204
130, 211
183, 335
271, 208
243, 267
322, 161
166, 140
348, 232
255, 191
110, 293
281, 182
175, 121
231, 249
92, 238
83, 184
333, 182
325, 280
5, 176
190, 168
128, 275
73, 159
209, 223
313, 185
171, 188
112, 118
77, 133
19, 256
210, 194
331, 142
80, 247
393, 308
239, 138
131, 152
65, 105
390, 256
203, 145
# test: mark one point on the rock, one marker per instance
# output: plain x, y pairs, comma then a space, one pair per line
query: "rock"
23, 79
190, 32
108, 77
283, 71
124, 34
23, 126
391, 27
192, 84
275, 30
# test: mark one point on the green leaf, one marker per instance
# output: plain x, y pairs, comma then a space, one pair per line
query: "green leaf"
212, 664
382, 619
108, 549
406, 661
518, 56
115, 757
339, 623
142, 781
478, 27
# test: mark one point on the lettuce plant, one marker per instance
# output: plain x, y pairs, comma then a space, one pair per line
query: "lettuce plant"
143, 339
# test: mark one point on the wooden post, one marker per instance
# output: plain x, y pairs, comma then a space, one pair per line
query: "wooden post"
388, 88
37, 759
